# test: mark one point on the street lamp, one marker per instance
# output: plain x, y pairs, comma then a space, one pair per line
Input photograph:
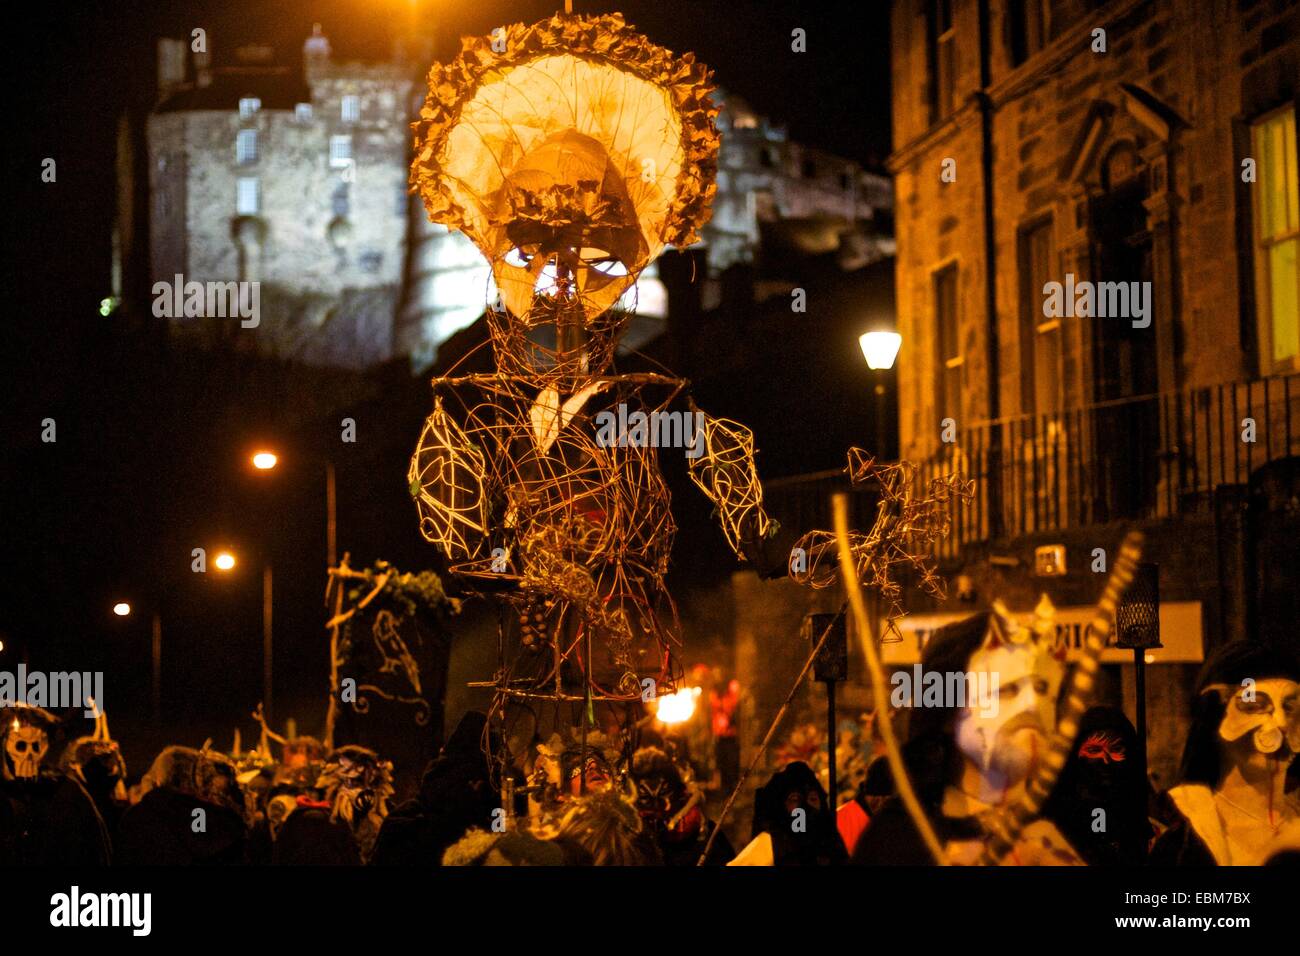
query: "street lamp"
265, 460
121, 609
224, 561
880, 349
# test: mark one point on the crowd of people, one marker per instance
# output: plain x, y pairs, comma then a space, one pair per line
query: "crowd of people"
636, 800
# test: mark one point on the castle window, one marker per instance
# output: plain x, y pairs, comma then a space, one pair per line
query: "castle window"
340, 151
351, 109
1277, 241
302, 112
248, 105
248, 199
246, 147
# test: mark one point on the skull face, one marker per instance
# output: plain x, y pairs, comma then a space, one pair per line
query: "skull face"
25, 749
1005, 740
566, 245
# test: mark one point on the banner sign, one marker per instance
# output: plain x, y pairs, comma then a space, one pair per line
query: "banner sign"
1180, 632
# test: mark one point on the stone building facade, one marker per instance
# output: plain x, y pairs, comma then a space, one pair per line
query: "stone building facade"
1097, 231
1097, 293
295, 181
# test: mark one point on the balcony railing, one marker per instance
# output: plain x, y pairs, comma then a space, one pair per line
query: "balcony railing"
1129, 459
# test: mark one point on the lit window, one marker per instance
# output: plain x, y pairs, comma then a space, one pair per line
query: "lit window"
1040, 336
340, 151
246, 147
302, 112
351, 108
248, 201
1277, 241
948, 357
249, 105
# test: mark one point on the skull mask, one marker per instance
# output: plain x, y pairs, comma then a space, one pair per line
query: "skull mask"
1024, 673
25, 748
1268, 710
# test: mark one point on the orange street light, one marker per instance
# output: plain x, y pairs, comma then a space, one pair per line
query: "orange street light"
265, 460
121, 609
224, 561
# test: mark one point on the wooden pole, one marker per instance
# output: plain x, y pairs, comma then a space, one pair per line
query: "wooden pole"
331, 516
157, 665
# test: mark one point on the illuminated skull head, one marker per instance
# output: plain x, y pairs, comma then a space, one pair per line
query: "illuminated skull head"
26, 744
1005, 730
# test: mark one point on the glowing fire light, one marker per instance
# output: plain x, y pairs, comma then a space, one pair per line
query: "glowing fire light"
679, 707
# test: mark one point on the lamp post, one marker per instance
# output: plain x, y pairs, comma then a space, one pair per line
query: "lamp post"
267, 460
225, 562
123, 609
880, 349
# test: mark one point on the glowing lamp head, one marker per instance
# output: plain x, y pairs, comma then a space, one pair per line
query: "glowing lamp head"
679, 707
880, 348
264, 460
224, 561
121, 609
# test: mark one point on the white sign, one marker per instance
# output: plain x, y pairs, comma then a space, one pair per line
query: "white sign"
1180, 633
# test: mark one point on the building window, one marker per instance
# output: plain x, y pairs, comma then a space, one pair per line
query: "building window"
767, 157
302, 112
1277, 241
1028, 21
340, 202
948, 357
248, 201
246, 147
248, 105
1040, 336
942, 40
340, 151
351, 110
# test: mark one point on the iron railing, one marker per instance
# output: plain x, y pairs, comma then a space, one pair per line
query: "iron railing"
1130, 459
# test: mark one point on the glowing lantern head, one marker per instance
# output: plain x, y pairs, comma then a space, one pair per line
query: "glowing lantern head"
570, 152
880, 348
